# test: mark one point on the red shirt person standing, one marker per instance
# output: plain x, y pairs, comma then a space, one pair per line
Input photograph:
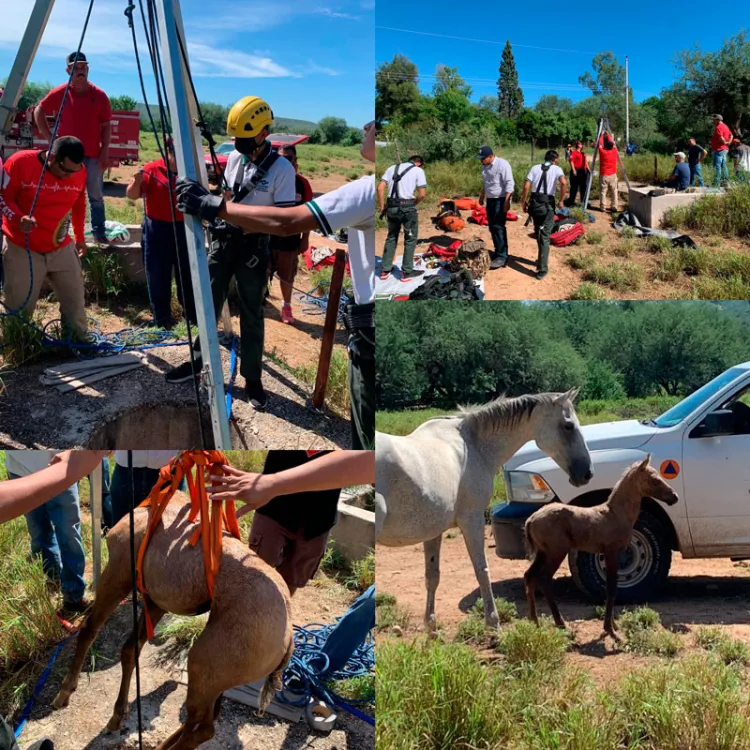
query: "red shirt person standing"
720, 140
608, 173
54, 254
87, 115
163, 241
579, 173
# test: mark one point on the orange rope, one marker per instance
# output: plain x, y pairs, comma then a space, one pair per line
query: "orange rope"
212, 523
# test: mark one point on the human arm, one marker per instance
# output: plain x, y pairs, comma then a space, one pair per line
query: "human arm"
40, 119
135, 187
10, 184
382, 185
510, 185
106, 138
19, 496
79, 221
421, 194
563, 191
481, 196
525, 196
703, 154
333, 471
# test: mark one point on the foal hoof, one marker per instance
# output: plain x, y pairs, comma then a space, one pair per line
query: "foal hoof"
113, 725
614, 635
61, 701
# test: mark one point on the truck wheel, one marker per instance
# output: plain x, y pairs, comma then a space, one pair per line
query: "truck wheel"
644, 565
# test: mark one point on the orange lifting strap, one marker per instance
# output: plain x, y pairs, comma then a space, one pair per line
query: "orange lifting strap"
210, 529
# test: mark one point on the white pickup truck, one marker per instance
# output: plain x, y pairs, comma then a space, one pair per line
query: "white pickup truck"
701, 445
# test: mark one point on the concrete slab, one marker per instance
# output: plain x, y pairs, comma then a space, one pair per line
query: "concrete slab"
354, 533
651, 209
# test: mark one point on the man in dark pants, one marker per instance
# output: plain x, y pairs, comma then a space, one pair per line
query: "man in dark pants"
397, 200
290, 532
541, 182
259, 177
579, 174
498, 186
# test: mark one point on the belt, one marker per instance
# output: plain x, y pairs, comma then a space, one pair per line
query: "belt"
359, 316
401, 203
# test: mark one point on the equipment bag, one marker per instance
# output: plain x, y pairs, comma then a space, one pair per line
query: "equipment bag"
473, 256
458, 286
540, 203
449, 217
567, 234
479, 216
466, 204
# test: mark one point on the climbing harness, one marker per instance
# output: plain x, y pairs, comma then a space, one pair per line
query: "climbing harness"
212, 523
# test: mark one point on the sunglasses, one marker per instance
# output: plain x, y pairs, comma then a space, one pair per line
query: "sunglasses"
65, 170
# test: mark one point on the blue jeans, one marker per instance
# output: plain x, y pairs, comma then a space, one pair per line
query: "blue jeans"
55, 530
720, 166
160, 259
496, 217
95, 189
122, 489
106, 496
696, 172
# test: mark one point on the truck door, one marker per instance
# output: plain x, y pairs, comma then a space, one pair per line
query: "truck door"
717, 484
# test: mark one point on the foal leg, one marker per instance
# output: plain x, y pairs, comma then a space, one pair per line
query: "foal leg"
473, 531
611, 562
530, 578
432, 579
550, 568
112, 587
128, 665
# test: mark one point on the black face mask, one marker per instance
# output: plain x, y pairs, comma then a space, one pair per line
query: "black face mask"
247, 146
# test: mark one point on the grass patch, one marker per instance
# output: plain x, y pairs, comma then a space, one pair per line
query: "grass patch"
725, 215
356, 689
540, 648
588, 291
389, 614
593, 237
621, 277
729, 650
473, 630
625, 247
128, 212
645, 636
732, 288
103, 274
337, 393
356, 576
20, 342
579, 214
579, 260
657, 244
180, 633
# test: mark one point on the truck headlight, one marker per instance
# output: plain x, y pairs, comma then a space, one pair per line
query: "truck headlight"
528, 488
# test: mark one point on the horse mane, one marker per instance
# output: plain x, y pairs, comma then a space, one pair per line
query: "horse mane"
503, 412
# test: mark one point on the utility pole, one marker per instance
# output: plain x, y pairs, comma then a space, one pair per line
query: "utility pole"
170, 20
627, 106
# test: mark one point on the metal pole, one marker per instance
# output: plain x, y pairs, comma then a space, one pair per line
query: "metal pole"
96, 485
329, 329
593, 164
22, 64
627, 106
185, 153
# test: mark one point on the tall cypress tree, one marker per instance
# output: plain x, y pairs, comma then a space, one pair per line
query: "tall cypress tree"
509, 94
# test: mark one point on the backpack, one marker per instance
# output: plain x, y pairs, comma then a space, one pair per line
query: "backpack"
566, 233
479, 216
449, 217
473, 256
458, 286
540, 203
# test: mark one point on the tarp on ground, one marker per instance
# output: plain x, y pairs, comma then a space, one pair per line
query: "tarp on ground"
394, 287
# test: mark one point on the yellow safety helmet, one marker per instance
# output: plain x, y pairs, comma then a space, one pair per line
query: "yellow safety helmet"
248, 117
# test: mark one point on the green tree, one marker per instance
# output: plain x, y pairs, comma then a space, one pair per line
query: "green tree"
332, 130
353, 137
452, 108
124, 103
509, 93
553, 103
31, 95
397, 94
448, 79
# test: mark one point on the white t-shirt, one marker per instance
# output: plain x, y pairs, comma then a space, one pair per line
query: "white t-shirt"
553, 175
277, 188
23, 463
145, 459
498, 178
411, 180
353, 206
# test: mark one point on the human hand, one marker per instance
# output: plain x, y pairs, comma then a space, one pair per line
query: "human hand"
194, 199
245, 486
481, 200
79, 463
104, 161
525, 207
81, 249
27, 224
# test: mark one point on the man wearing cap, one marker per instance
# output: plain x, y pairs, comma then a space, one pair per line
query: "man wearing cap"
680, 177
401, 181
740, 153
720, 140
86, 115
696, 155
497, 177
608, 189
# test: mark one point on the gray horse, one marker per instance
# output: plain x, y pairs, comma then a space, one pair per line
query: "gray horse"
442, 475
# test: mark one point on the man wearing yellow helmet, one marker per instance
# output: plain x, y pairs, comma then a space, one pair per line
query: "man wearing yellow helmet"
256, 176
351, 206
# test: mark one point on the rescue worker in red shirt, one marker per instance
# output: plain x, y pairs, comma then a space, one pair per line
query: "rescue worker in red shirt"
285, 251
720, 140
608, 173
579, 173
163, 241
87, 116
54, 254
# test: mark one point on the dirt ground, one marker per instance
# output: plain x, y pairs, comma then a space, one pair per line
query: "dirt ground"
698, 592
82, 726
30, 418
517, 281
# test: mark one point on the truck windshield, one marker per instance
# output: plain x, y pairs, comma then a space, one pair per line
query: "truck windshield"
680, 411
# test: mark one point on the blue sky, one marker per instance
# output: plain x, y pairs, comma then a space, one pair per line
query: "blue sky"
650, 33
309, 60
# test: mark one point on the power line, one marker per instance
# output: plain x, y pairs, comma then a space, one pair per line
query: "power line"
487, 41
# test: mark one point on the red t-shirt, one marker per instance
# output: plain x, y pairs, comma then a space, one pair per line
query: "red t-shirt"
607, 160
578, 159
722, 131
82, 117
156, 192
62, 202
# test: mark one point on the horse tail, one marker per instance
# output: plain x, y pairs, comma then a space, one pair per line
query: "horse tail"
530, 546
274, 680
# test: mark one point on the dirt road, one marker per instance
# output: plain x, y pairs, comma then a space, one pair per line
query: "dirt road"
699, 592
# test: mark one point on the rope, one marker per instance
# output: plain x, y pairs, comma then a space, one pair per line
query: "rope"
232, 376
308, 663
